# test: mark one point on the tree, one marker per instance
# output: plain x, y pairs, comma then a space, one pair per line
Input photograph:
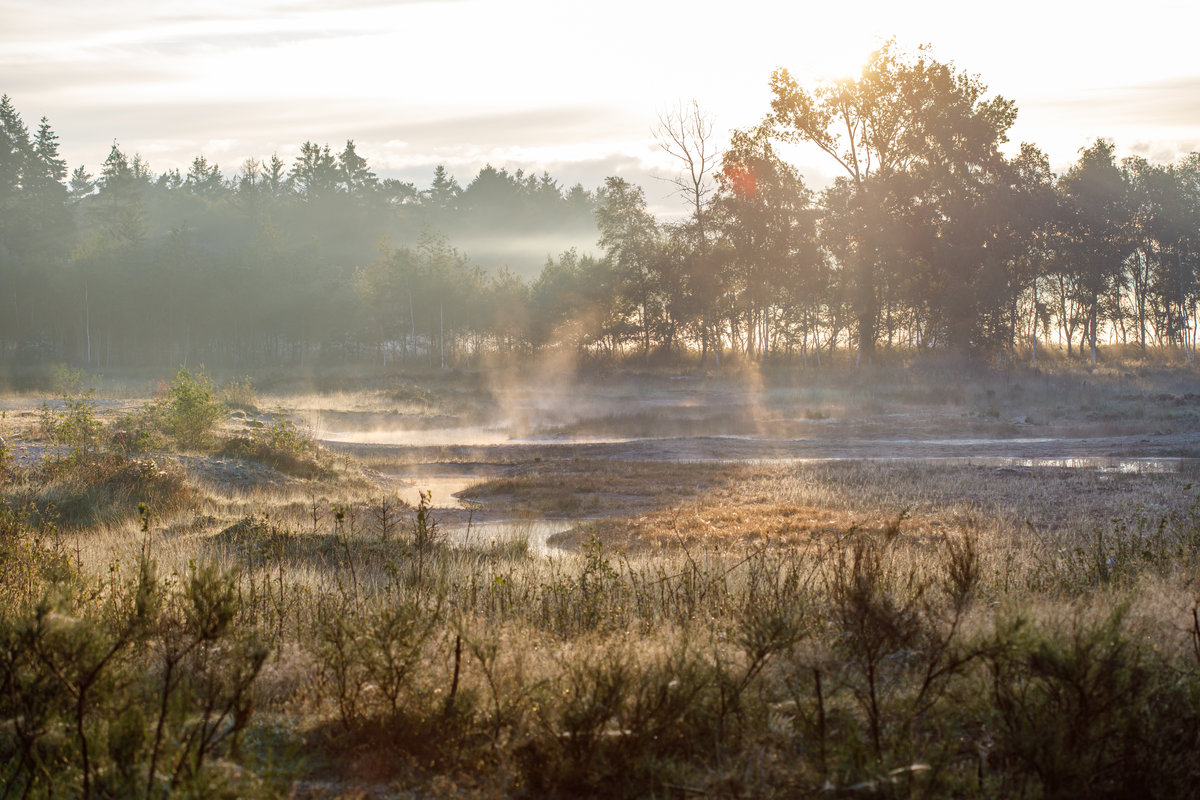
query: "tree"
1032, 212
686, 134
902, 113
15, 150
764, 214
314, 174
49, 167
1164, 202
444, 191
120, 206
1097, 222
275, 176
356, 177
81, 185
204, 179
629, 234
574, 303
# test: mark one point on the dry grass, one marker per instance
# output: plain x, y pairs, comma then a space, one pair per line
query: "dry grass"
713, 629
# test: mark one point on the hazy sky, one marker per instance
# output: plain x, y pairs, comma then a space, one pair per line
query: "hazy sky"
569, 86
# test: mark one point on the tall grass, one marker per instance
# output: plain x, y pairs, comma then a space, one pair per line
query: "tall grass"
172, 652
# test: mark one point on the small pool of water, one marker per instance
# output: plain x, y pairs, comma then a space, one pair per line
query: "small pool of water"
472, 436
445, 490
497, 533
1127, 466
464, 437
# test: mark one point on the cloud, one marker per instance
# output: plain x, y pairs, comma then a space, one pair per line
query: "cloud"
1165, 103
296, 6
1165, 152
184, 43
527, 127
48, 77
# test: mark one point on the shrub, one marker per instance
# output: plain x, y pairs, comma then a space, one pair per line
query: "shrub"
75, 426
6, 456
139, 432
189, 408
28, 560
66, 380
367, 657
283, 445
134, 694
78, 426
1070, 703
238, 393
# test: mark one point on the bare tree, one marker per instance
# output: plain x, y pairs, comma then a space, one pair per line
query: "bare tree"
686, 134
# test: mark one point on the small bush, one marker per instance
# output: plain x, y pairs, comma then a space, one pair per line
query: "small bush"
66, 380
189, 408
139, 432
283, 445
78, 426
75, 426
6, 456
238, 393
28, 561
134, 695
1071, 707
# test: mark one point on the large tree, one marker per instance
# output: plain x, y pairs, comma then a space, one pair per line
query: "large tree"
904, 115
1097, 227
629, 236
768, 235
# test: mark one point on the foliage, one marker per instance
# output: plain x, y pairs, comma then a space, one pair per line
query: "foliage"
187, 408
78, 425
136, 693
85, 489
284, 445
866, 659
931, 238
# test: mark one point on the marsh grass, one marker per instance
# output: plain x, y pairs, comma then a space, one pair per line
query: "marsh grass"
836, 629
869, 657
85, 489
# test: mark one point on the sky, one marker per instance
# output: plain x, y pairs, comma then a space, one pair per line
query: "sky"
573, 87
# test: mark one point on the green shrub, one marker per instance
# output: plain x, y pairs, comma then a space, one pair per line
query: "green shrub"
31, 556
75, 426
134, 694
1084, 708
78, 426
189, 408
140, 431
66, 380
6, 455
367, 657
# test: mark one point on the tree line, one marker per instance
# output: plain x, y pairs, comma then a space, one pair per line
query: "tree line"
931, 237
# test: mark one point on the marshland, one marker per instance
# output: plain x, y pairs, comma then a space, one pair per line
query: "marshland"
862, 582
878, 484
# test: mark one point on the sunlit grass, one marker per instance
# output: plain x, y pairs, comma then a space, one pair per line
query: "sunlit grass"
750, 629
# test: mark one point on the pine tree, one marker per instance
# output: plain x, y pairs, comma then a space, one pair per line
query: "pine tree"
356, 176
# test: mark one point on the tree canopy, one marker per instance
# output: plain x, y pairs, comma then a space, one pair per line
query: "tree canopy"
931, 237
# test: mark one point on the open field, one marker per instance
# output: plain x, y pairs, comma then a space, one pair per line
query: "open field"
878, 583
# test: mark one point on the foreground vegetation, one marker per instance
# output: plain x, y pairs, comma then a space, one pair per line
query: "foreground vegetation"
840, 628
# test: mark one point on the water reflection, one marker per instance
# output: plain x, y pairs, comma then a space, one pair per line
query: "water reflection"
498, 534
